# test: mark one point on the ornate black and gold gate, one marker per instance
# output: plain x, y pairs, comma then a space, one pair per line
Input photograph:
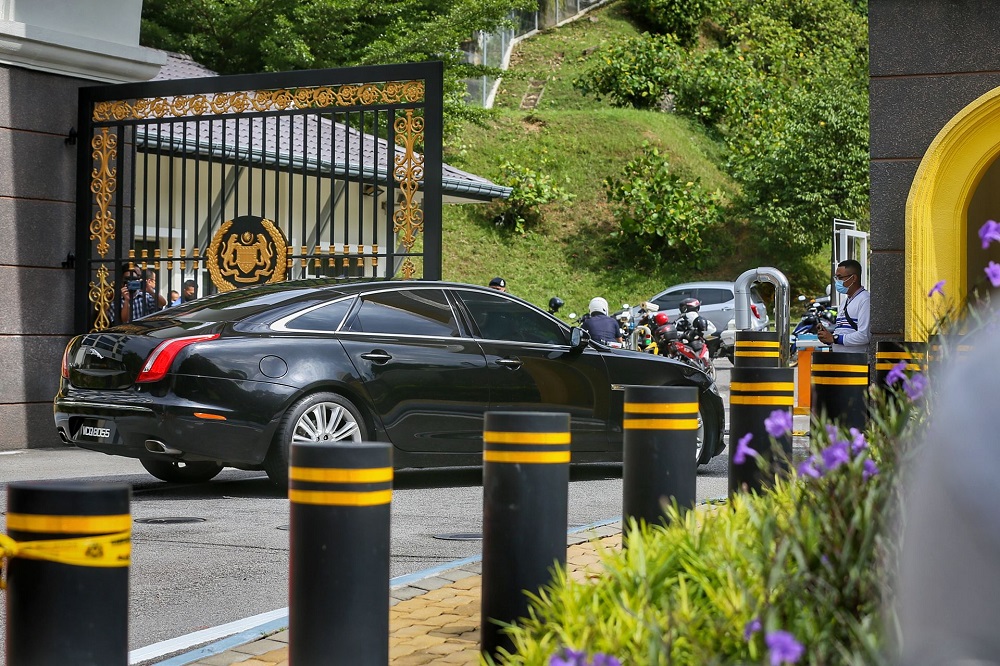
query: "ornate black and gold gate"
239, 180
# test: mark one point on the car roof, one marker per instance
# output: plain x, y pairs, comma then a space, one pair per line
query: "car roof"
716, 284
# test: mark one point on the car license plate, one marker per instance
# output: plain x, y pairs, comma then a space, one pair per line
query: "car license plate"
97, 430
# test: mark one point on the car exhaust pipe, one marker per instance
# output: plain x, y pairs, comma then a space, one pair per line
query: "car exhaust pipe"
63, 437
156, 446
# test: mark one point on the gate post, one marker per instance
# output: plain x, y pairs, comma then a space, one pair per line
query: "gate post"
67, 600
525, 513
659, 459
338, 610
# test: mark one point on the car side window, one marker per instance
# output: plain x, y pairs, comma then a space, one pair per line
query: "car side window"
500, 318
325, 318
672, 301
714, 296
405, 312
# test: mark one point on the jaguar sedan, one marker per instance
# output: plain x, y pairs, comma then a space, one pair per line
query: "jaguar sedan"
232, 380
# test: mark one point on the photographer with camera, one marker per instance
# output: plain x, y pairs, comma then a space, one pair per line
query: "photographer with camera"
139, 299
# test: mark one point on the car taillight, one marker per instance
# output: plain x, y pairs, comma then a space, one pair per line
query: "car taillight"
64, 371
163, 356
753, 309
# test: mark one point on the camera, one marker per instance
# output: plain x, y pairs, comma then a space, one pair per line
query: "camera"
134, 285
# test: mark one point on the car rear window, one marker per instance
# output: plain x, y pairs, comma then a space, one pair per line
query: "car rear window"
405, 312
325, 318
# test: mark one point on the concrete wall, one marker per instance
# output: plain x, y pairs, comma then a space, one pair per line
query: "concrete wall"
929, 59
37, 231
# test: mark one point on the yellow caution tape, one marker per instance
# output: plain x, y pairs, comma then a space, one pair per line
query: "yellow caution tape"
660, 424
340, 498
526, 457
106, 550
341, 475
762, 386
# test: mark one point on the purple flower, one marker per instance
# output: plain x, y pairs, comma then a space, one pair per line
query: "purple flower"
601, 659
836, 454
831, 432
779, 423
989, 232
993, 273
783, 647
753, 626
743, 449
808, 468
858, 443
897, 373
870, 469
936, 289
567, 657
915, 386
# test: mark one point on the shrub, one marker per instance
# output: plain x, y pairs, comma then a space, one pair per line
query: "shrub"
531, 189
633, 71
681, 18
659, 213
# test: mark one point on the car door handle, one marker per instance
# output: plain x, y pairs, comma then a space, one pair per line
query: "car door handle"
377, 356
511, 363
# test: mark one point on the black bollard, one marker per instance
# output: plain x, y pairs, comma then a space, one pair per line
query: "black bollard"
761, 349
888, 353
67, 603
338, 610
754, 393
840, 388
525, 507
659, 460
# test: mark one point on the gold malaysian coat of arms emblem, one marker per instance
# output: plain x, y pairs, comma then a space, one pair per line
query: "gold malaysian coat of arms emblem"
245, 251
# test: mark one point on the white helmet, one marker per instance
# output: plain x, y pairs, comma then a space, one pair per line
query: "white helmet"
598, 304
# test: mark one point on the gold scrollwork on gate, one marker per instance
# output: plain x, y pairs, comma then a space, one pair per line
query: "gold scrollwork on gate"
315, 97
102, 295
103, 182
408, 170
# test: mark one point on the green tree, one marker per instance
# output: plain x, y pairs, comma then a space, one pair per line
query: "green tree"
248, 36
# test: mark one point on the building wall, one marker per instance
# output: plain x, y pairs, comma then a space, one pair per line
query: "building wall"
37, 232
929, 59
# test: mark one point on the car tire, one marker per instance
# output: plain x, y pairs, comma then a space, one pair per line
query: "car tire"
706, 453
178, 471
319, 417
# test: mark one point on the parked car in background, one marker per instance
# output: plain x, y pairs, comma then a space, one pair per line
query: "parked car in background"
718, 304
236, 378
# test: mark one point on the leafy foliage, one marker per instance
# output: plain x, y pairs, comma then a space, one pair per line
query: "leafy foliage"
247, 36
785, 86
681, 18
661, 213
531, 189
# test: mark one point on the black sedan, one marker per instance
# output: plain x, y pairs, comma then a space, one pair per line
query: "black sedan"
235, 378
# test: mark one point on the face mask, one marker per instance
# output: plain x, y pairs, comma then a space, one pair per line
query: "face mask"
840, 287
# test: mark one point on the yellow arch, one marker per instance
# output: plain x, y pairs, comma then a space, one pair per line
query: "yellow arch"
937, 208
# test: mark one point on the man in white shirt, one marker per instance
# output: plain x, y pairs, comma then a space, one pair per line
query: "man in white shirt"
851, 332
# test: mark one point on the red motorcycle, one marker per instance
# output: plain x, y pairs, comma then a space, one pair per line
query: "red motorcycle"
684, 338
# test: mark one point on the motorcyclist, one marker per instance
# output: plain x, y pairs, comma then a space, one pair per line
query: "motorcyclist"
691, 322
599, 325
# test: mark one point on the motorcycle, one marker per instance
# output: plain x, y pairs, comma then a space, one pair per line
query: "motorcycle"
684, 340
818, 313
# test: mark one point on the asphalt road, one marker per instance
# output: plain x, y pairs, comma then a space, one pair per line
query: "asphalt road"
213, 553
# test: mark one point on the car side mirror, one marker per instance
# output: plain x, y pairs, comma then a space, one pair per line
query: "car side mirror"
578, 338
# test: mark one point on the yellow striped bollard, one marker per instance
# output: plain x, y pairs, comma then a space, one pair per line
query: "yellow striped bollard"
760, 349
754, 394
526, 459
840, 388
338, 610
659, 457
68, 549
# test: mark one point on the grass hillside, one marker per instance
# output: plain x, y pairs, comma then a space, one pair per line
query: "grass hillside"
580, 141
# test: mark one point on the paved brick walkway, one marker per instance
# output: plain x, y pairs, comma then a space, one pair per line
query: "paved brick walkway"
435, 620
